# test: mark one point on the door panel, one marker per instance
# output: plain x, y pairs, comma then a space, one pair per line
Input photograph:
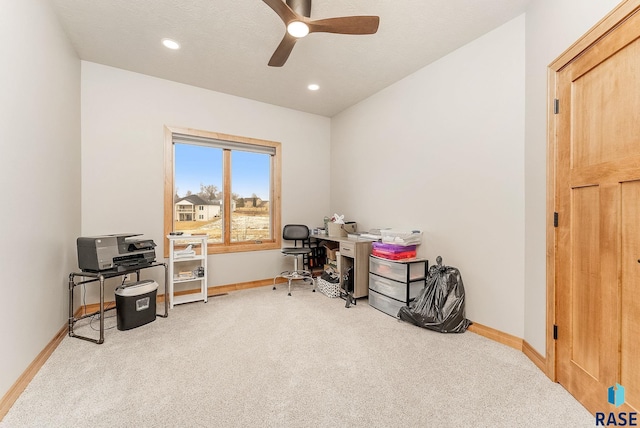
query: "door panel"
600, 133
586, 311
587, 295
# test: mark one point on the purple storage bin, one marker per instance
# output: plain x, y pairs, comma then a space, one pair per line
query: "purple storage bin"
393, 248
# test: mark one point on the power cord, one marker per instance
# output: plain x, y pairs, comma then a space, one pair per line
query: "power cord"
95, 317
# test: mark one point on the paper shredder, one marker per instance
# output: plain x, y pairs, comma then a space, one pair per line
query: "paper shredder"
136, 304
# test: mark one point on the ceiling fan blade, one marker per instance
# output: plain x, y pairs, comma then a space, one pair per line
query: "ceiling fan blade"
346, 25
283, 51
283, 10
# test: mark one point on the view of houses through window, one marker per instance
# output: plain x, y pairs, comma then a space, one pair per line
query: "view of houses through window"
199, 177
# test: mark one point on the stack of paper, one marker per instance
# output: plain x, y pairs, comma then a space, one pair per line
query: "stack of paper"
402, 237
187, 252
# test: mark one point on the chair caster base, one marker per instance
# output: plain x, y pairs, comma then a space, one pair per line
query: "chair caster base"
274, 287
349, 299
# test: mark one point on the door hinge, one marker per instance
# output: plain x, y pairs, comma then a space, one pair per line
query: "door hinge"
555, 219
556, 106
555, 332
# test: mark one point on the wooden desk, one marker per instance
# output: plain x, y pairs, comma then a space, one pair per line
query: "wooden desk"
353, 252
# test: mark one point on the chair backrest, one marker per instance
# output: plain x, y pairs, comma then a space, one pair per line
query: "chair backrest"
295, 232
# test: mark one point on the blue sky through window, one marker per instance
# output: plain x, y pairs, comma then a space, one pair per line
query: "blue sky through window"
195, 165
250, 174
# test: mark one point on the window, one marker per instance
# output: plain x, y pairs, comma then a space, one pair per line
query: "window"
234, 184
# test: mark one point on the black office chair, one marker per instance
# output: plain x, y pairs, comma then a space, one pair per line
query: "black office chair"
296, 233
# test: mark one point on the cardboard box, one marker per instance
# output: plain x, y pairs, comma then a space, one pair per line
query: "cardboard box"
342, 230
331, 265
331, 249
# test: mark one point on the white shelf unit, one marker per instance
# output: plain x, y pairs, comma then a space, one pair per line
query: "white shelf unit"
192, 262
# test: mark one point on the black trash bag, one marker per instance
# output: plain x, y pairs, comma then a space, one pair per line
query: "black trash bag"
440, 305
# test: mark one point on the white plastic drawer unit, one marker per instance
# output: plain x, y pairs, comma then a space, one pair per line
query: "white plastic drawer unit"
395, 289
385, 304
397, 270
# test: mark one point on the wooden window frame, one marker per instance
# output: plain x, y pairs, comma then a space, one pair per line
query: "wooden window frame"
275, 202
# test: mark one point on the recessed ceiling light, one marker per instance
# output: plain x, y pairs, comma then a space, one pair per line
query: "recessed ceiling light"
171, 44
313, 87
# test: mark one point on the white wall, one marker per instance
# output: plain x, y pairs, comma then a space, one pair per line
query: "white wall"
551, 27
40, 177
401, 129
123, 115
443, 151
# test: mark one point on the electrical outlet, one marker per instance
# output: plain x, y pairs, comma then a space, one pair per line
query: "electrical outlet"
127, 277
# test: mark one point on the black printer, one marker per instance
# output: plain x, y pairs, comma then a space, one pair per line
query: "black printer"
117, 252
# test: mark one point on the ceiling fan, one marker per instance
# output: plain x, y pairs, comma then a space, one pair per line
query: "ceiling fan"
295, 15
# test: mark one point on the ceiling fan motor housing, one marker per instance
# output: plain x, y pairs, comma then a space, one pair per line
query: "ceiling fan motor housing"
301, 7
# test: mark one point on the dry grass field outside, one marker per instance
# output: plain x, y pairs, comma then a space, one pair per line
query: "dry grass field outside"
246, 226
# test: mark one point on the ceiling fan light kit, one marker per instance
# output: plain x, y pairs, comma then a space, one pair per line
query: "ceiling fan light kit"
298, 29
296, 17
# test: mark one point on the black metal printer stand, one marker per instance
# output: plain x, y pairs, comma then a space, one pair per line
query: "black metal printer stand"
100, 277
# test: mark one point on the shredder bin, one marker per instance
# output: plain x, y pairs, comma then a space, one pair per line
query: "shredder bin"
136, 304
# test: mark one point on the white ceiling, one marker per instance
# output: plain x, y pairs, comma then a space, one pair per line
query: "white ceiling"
226, 44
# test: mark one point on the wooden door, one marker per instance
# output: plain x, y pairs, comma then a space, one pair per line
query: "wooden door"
597, 268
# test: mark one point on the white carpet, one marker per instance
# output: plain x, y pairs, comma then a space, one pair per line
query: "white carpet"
258, 358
